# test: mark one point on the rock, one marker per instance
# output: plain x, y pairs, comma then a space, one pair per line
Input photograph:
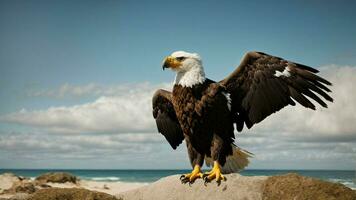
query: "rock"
20, 196
294, 186
70, 194
237, 187
57, 177
43, 185
7, 180
21, 187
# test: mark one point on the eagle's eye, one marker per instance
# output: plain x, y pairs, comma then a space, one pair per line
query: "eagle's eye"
181, 58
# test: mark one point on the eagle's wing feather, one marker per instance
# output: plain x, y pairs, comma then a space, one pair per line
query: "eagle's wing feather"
264, 84
166, 119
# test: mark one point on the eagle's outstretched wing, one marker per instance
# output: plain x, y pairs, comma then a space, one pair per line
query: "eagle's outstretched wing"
166, 119
264, 84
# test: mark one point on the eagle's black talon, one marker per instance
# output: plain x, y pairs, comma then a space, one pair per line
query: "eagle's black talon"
206, 183
186, 180
182, 177
206, 180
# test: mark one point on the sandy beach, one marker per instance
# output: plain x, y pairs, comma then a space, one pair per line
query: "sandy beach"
112, 188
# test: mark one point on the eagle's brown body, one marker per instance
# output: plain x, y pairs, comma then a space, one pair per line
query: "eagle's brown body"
203, 112
205, 119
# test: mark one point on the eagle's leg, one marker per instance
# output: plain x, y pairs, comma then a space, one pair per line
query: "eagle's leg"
216, 154
196, 159
215, 173
191, 177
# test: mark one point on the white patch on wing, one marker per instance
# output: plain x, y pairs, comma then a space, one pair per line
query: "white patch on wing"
228, 98
284, 73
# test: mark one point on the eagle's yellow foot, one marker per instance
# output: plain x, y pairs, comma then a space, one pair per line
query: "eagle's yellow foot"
215, 173
196, 173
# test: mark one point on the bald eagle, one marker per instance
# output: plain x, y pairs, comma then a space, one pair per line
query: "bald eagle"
203, 112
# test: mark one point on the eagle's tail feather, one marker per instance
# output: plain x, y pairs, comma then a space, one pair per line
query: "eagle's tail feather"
235, 162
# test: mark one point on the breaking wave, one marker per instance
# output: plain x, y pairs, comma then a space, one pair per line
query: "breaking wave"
110, 178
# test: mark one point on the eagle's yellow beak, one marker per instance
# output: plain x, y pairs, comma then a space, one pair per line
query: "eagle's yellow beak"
171, 62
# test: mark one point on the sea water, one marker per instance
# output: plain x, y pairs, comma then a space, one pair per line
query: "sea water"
348, 178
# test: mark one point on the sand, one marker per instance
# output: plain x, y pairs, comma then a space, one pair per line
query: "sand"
112, 188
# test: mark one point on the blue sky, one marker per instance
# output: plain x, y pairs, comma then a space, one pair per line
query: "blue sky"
108, 47
48, 43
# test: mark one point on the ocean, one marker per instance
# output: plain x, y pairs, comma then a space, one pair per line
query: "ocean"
348, 178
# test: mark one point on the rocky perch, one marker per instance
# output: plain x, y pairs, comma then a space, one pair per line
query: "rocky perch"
237, 187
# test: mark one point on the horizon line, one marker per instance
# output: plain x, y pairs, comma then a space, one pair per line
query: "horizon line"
173, 169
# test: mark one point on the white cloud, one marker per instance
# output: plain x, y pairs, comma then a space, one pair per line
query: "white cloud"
83, 144
129, 110
130, 150
90, 90
119, 124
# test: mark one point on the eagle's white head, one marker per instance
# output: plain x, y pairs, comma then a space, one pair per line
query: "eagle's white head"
188, 66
